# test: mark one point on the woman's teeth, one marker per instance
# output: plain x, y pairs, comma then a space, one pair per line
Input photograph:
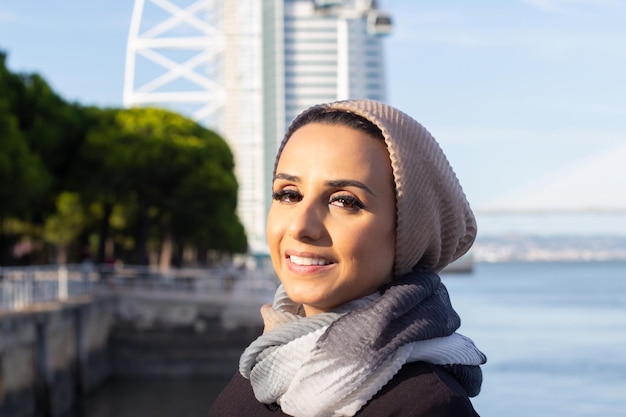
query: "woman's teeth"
298, 260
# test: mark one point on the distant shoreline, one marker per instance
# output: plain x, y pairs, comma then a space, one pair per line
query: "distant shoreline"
549, 248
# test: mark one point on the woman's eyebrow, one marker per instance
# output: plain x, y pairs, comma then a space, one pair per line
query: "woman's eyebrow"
349, 183
287, 177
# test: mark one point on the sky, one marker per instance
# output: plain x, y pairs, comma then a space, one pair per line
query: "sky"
526, 97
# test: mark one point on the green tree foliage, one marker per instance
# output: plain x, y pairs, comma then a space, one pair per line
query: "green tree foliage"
135, 177
23, 177
171, 173
24, 180
64, 226
53, 128
181, 172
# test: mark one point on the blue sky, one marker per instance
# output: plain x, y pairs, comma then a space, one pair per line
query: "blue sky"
520, 93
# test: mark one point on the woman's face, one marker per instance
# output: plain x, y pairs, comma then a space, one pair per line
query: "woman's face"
331, 226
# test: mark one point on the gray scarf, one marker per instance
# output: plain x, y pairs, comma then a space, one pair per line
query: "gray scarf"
332, 363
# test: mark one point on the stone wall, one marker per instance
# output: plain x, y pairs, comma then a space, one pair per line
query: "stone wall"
50, 356
186, 336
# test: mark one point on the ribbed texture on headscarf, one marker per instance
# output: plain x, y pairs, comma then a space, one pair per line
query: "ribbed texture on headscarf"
435, 224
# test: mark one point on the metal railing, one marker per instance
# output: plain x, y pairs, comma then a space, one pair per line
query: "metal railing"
24, 287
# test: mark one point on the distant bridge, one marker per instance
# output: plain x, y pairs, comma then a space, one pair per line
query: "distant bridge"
548, 211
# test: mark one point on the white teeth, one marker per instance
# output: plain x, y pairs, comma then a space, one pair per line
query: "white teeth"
298, 260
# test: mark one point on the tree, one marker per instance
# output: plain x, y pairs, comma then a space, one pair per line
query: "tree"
24, 180
177, 174
53, 128
86, 168
63, 227
100, 171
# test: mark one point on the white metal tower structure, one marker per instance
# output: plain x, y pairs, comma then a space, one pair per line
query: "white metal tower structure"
245, 68
202, 58
174, 57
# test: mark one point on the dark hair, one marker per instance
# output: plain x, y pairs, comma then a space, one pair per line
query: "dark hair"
327, 116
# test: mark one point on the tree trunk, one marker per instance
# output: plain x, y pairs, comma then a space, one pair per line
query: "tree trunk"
166, 251
109, 251
61, 254
4, 246
105, 227
143, 224
178, 252
201, 255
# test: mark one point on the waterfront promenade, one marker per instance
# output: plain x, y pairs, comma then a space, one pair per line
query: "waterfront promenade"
25, 287
65, 329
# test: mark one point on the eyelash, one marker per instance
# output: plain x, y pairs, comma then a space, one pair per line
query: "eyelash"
348, 202
282, 195
290, 196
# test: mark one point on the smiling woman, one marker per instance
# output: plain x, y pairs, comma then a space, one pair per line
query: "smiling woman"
331, 229
366, 212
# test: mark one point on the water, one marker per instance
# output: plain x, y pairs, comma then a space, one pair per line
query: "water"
554, 334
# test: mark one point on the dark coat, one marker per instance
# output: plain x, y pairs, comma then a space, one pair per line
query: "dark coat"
418, 390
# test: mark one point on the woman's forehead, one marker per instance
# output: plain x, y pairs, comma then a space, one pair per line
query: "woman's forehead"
335, 153
335, 142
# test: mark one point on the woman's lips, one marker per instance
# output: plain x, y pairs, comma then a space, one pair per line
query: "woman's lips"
306, 262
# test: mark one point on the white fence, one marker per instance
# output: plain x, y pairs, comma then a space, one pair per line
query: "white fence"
24, 287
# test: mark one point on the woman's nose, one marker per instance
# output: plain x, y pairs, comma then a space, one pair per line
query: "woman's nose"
306, 222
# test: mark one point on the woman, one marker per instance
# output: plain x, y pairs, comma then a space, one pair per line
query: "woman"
366, 212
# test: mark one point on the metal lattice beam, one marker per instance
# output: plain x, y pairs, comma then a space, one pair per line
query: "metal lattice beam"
157, 43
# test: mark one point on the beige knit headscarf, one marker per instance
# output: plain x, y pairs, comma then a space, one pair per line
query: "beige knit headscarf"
435, 224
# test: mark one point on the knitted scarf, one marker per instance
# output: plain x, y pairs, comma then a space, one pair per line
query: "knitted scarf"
331, 364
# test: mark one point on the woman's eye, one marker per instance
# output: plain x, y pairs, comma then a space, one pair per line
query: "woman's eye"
347, 202
287, 196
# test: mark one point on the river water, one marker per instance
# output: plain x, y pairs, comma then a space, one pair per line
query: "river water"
554, 335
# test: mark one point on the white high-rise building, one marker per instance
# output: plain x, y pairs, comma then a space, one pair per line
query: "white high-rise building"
330, 53
246, 68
